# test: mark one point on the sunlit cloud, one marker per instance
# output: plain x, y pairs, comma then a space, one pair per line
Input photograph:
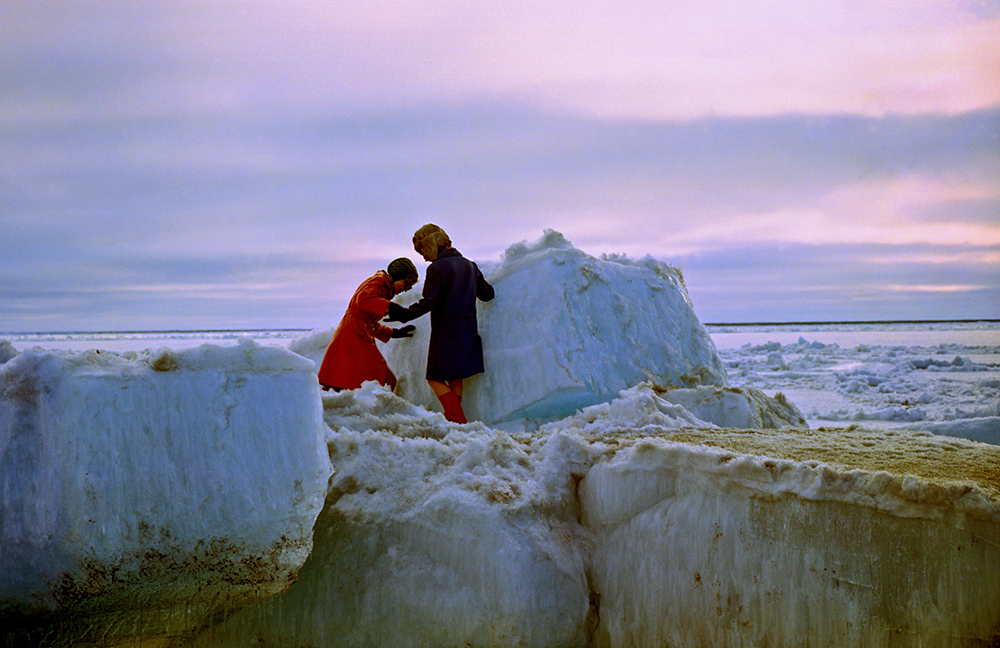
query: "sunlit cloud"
739, 60
636, 58
930, 288
878, 212
883, 211
983, 257
666, 60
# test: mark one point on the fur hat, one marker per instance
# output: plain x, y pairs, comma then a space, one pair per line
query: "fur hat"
429, 240
401, 268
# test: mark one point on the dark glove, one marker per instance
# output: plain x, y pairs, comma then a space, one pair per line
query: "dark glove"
404, 331
396, 313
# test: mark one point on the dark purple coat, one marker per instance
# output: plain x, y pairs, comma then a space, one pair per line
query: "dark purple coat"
451, 287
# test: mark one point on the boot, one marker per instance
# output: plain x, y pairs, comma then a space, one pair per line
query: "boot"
452, 407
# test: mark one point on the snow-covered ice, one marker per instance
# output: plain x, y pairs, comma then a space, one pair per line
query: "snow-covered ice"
625, 525
763, 539
859, 374
676, 498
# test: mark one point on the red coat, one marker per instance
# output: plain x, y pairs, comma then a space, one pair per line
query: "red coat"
352, 357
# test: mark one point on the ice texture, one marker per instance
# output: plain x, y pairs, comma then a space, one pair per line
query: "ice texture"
738, 408
146, 492
434, 535
903, 375
628, 526
699, 546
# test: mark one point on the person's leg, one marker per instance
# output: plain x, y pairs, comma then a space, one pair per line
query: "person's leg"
439, 387
450, 401
390, 380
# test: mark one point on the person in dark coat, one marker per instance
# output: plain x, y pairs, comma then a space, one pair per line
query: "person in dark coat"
352, 356
451, 287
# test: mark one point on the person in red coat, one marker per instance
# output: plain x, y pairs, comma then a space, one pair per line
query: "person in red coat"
352, 356
451, 287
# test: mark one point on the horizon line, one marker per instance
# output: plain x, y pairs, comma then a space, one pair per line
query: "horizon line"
895, 321
290, 330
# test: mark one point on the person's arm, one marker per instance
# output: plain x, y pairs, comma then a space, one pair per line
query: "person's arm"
382, 332
371, 301
373, 304
432, 288
484, 291
377, 306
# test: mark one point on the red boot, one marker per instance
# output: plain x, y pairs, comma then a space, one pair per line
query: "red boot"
452, 407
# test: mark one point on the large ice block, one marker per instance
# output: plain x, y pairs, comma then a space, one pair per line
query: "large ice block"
144, 493
760, 538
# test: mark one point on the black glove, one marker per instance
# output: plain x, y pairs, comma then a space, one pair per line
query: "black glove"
404, 331
396, 313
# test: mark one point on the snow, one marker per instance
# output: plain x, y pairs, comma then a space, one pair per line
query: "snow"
434, 535
623, 499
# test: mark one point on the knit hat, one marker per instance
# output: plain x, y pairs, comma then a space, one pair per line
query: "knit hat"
401, 268
429, 240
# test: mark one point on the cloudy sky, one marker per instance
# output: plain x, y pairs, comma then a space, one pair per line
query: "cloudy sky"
189, 164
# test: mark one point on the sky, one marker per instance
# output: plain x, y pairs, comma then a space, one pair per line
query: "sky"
240, 164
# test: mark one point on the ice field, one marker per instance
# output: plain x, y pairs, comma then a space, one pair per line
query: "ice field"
939, 377
632, 479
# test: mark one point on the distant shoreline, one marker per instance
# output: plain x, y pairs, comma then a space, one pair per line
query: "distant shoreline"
857, 322
305, 330
161, 332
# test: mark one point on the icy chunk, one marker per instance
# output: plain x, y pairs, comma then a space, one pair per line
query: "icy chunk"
634, 409
754, 542
645, 405
7, 351
746, 408
150, 492
984, 429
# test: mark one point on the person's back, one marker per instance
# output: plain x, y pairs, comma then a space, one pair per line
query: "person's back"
461, 283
